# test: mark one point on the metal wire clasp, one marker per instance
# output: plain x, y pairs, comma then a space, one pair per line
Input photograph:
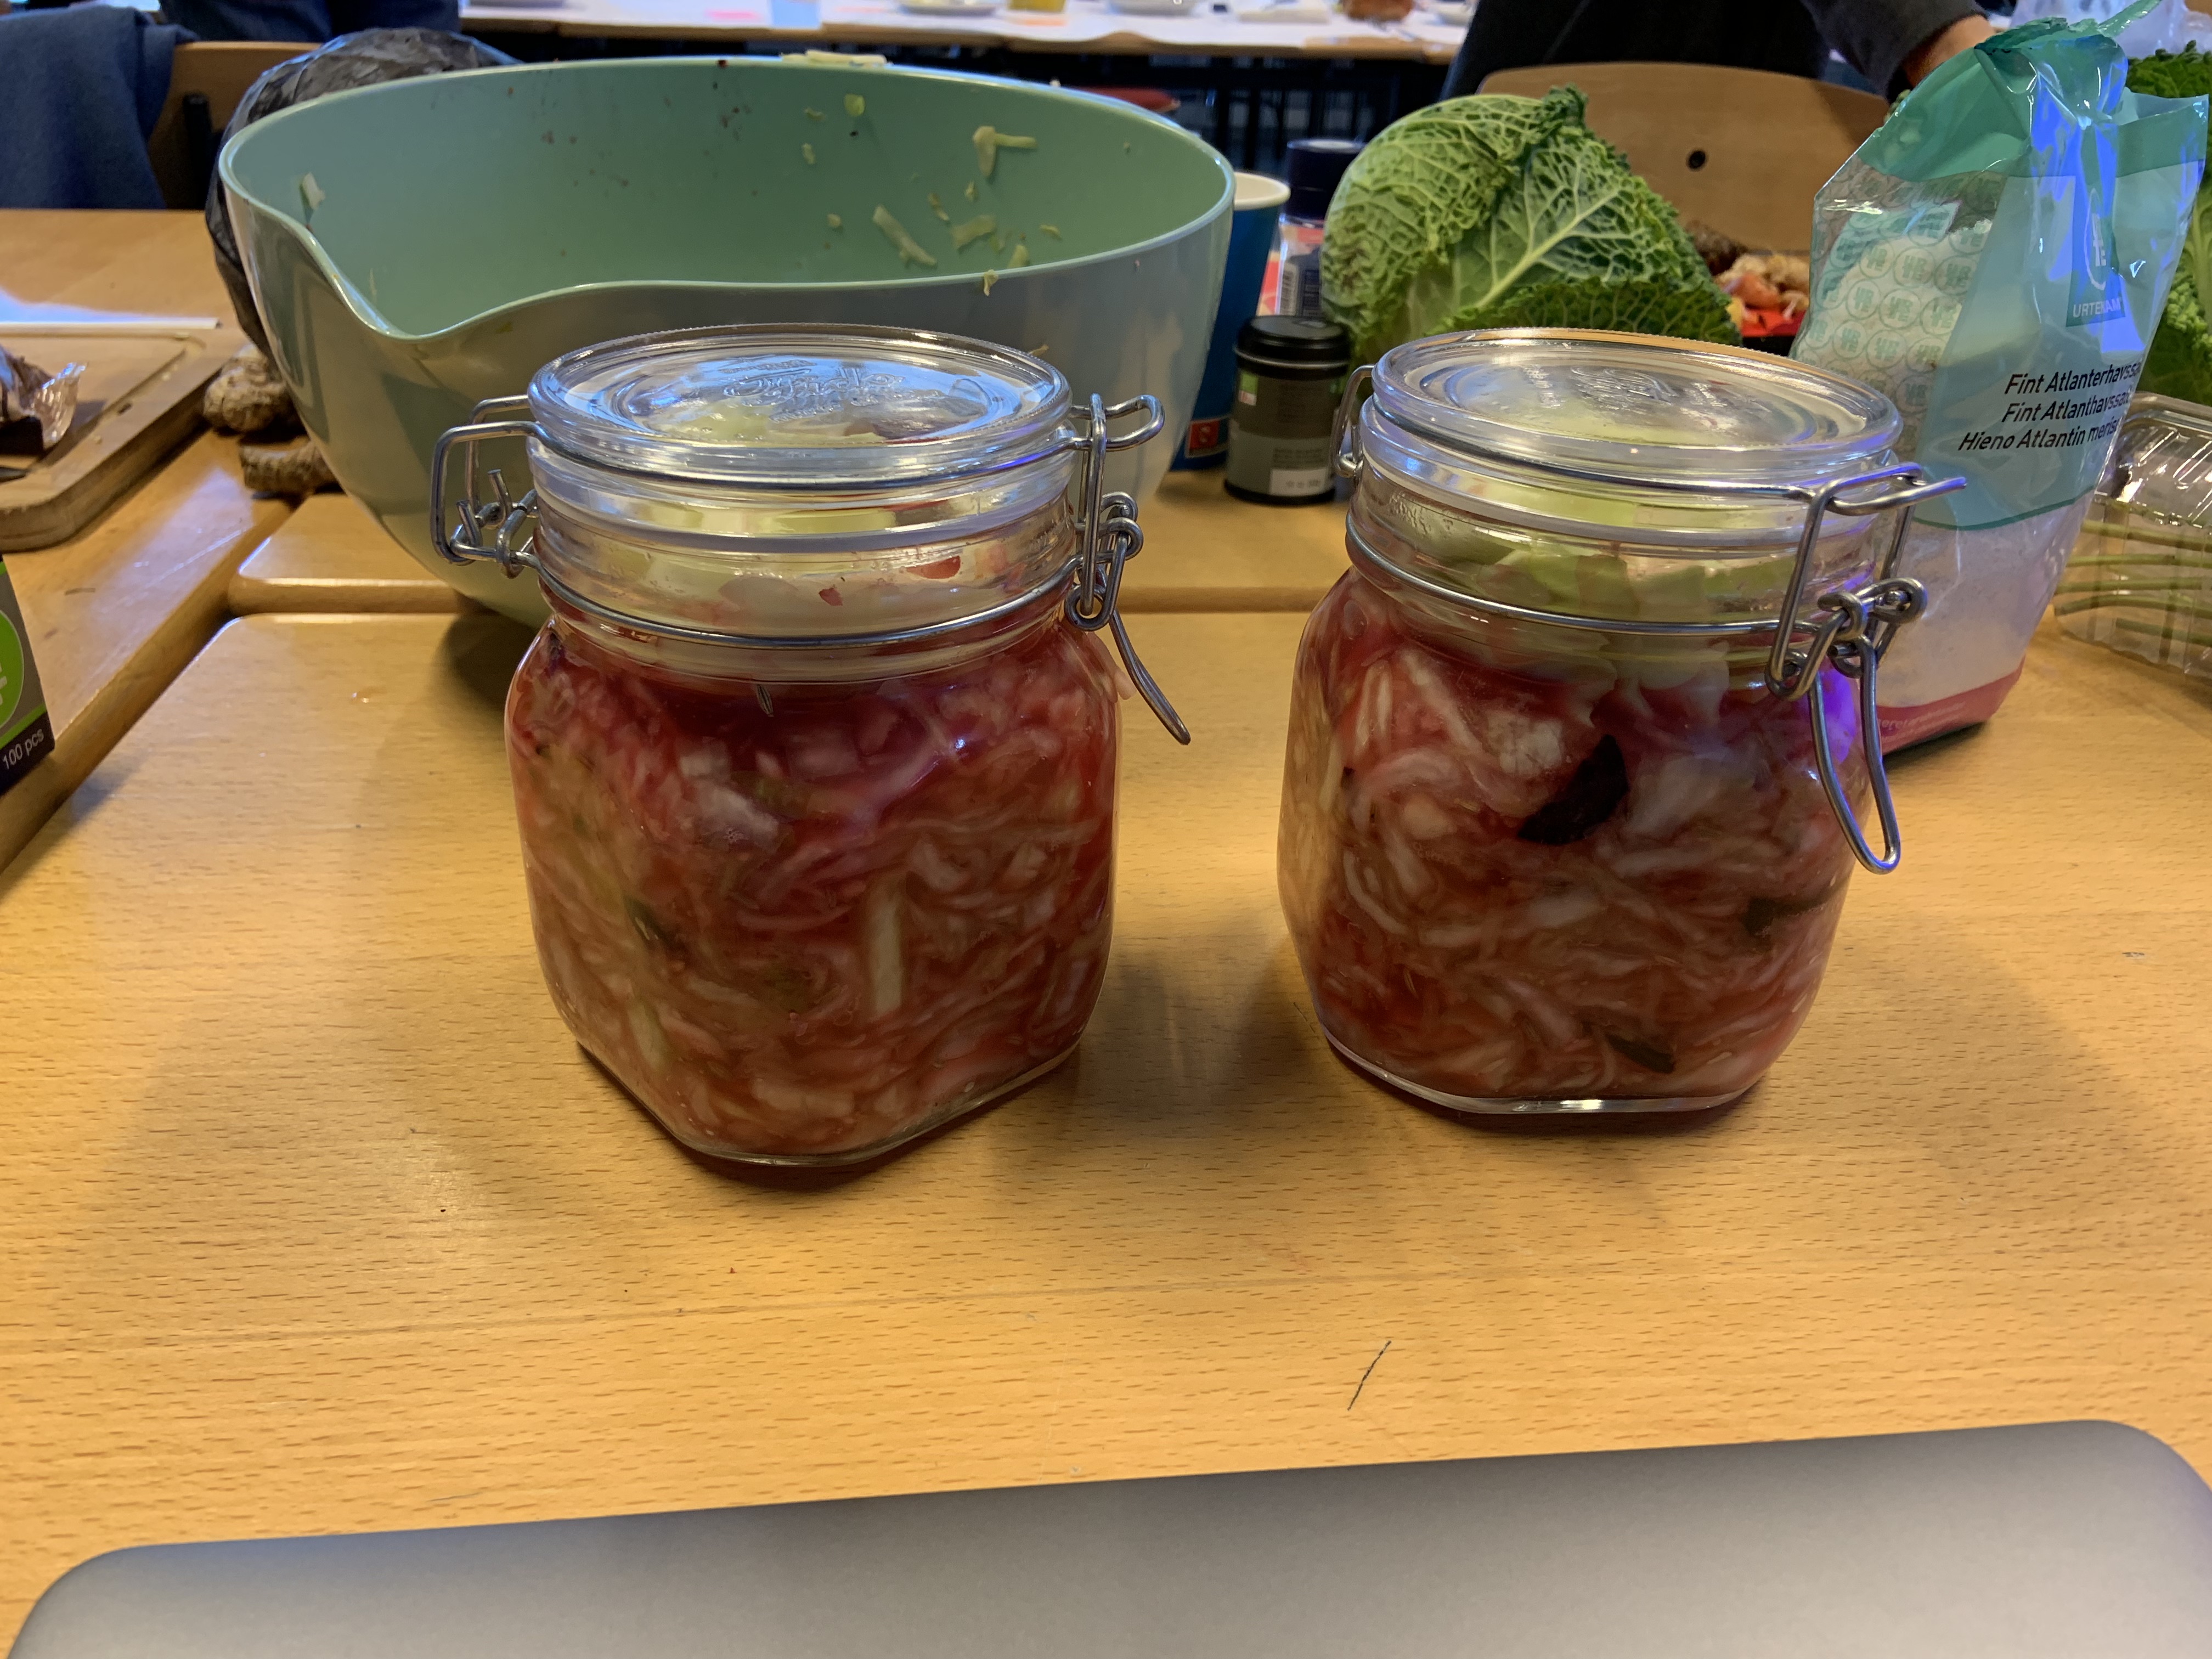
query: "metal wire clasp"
1856, 630
1111, 537
501, 529
1850, 631
1349, 461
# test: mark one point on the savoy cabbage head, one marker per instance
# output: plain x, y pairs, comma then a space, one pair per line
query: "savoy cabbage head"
2180, 360
2183, 74
1499, 212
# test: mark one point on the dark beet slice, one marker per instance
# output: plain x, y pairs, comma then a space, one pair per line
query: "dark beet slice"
1650, 1056
1591, 796
1761, 913
651, 930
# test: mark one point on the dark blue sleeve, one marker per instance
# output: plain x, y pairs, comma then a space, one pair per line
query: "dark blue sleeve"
1876, 36
314, 20
85, 85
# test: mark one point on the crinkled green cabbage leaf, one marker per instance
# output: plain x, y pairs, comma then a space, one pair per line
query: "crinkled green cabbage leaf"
2179, 364
1495, 211
2183, 74
2180, 360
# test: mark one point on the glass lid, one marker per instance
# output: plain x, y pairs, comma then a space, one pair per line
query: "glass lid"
799, 405
1635, 404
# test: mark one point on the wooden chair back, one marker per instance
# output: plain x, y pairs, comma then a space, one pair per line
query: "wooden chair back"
1742, 150
207, 80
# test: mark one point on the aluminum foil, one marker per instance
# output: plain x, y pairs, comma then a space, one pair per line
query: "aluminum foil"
31, 397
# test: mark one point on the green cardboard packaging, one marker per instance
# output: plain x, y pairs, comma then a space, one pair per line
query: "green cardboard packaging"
26, 733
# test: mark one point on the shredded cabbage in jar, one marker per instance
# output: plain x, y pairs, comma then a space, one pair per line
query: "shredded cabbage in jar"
1529, 875
808, 920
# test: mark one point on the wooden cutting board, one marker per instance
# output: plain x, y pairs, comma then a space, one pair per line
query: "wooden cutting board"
139, 398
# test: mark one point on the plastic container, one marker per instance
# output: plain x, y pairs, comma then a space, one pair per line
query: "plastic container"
1314, 166
2140, 577
677, 193
1282, 427
1995, 258
814, 762
1576, 773
1252, 232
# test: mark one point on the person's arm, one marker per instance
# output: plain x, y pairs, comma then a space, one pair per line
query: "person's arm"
1962, 36
1896, 43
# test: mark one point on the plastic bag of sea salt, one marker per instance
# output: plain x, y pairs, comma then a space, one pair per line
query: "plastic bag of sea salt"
1995, 258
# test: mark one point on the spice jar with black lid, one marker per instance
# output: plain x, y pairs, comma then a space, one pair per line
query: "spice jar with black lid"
1290, 371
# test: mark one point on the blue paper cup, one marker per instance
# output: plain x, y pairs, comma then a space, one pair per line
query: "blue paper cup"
1259, 204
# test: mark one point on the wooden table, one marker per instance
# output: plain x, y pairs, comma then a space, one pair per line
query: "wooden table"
1206, 550
331, 556
317, 1220
116, 611
158, 263
1203, 551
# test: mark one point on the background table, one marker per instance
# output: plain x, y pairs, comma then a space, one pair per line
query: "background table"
1246, 87
1085, 26
160, 262
1203, 551
116, 611
317, 1220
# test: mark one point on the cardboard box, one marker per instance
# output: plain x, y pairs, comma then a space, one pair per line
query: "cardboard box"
26, 734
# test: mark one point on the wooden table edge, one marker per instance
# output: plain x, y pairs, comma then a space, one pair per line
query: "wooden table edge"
118, 703
250, 596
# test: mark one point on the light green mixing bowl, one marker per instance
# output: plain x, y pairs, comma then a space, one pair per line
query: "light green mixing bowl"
417, 246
